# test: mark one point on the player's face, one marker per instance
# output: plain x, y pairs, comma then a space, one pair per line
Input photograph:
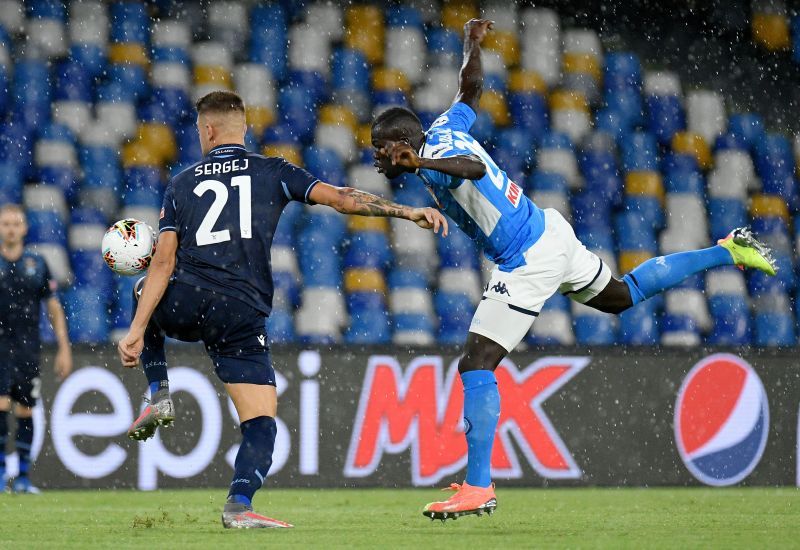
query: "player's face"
382, 162
13, 227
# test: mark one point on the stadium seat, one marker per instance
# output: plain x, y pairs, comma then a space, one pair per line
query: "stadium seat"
592, 328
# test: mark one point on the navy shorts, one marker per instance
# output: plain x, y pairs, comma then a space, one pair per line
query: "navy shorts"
19, 375
233, 332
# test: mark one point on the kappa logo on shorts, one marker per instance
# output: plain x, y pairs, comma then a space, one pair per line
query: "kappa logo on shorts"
262, 339
500, 288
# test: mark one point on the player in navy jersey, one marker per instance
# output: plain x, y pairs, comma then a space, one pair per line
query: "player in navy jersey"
24, 282
210, 280
535, 251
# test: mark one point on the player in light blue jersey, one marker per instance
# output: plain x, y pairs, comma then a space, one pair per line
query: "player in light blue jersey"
535, 251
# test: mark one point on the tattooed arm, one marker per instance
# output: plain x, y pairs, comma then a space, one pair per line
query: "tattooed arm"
352, 201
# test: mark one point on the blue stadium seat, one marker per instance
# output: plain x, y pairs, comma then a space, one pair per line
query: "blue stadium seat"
325, 164
63, 177
73, 82
639, 152
129, 22
590, 212
724, 215
529, 112
91, 272
594, 330
457, 250
628, 103
100, 167
87, 315
678, 327
46, 226
684, 181
482, 130
280, 327
649, 209
775, 330
455, 315
613, 123
143, 187
665, 116
298, 110
747, 127
47, 9
444, 45
634, 232
350, 70
731, 316
730, 141
368, 327
268, 37
622, 70
412, 322
122, 305
639, 325
404, 16
368, 249
131, 78
546, 182
92, 57
10, 183
407, 278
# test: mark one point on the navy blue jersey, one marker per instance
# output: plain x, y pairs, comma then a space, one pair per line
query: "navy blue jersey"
24, 283
225, 209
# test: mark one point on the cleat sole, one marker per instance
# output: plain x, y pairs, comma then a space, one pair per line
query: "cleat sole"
487, 508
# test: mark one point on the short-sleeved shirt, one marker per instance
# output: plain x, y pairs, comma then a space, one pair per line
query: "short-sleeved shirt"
24, 283
492, 210
225, 209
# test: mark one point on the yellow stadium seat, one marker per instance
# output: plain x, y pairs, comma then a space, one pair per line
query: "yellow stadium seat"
364, 136
128, 52
631, 258
526, 81
363, 15
137, 153
457, 12
390, 79
364, 31
575, 62
769, 206
338, 115
259, 117
370, 43
494, 103
688, 143
367, 223
158, 137
644, 182
206, 74
506, 44
364, 280
569, 99
286, 151
771, 31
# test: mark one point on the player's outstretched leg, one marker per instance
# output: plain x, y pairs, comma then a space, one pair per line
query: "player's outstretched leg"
481, 413
254, 458
24, 441
739, 248
160, 410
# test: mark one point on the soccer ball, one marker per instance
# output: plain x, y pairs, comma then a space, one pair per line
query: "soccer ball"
128, 246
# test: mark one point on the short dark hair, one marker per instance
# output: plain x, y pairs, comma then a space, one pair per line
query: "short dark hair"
220, 101
401, 118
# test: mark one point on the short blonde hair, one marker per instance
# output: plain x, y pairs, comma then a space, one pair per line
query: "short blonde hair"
13, 207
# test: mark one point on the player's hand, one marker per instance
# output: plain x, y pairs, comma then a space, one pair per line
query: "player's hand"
130, 348
401, 153
63, 362
476, 29
429, 218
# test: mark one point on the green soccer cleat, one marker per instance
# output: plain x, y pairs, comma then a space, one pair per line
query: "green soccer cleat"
747, 251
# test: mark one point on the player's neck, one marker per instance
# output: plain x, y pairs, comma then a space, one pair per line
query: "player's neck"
225, 141
12, 252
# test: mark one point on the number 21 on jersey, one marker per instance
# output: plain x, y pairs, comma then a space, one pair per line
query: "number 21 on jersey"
205, 234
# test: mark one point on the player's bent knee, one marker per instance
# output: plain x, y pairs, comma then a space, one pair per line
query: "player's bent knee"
480, 353
253, 400
614, 298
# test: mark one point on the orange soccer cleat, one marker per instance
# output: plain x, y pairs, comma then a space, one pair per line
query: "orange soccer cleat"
467, 500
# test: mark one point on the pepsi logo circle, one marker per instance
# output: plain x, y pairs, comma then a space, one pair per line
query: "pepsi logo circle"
721, 420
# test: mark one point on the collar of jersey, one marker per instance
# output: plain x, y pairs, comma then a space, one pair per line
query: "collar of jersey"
219, 148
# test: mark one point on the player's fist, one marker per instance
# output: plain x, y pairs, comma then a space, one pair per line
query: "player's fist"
402, 154
476, 29
130, 348
429, 218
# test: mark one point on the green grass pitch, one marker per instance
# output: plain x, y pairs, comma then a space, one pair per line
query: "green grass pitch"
380, 518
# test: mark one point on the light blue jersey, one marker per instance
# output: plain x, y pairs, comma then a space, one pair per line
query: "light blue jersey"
493, 210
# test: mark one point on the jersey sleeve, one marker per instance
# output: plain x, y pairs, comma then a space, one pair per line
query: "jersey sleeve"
167, 221
459, 116
297, 183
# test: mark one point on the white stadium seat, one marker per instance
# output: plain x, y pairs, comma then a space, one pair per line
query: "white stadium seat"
144, 213
662, 83
691, 302
337, 138
254, 83
326, 17
309, 50
705, 114
560, 161
120, 117
504, 15
554, 324
171, 75
405, 50
461, 281
85, 236
37, 196
583, 41
411, 300
57, 261
283, 258
212, 54
726, 281
75, 115
364, 177
50, 152
413, 338
553, 199
733, 175
12, 15
573, 122
45, 37
171, 33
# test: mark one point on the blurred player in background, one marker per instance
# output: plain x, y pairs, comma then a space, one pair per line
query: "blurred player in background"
24, 282
210, 280
535, 251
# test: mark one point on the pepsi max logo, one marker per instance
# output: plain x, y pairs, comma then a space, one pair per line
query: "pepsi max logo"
721, 420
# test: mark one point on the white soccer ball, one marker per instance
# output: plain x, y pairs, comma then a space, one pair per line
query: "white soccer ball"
128, 246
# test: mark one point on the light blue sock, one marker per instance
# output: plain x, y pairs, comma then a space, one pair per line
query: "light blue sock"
658, 274
481, 413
